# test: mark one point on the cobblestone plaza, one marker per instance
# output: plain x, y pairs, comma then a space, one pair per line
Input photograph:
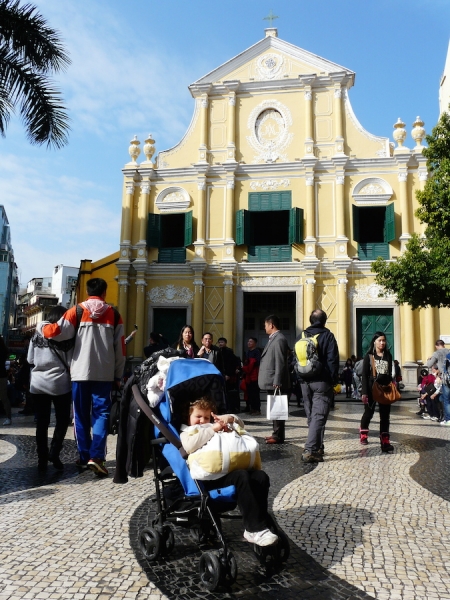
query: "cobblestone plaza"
362, 524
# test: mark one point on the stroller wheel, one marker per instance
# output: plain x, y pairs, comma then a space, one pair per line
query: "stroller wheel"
229, 569
210, 570
150, 543
168, 539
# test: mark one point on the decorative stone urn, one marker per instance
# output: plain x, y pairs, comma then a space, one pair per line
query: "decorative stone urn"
418, 133
399, 134
149, 148
134, 149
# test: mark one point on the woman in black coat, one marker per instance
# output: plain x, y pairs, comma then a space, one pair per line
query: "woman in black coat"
186, 342
383, 369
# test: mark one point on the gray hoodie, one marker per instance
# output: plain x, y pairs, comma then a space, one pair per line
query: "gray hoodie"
48, 375
438, 358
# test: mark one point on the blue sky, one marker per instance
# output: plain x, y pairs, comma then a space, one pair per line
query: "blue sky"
132, 61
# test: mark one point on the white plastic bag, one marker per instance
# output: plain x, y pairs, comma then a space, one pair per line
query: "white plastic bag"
226, 451
277, 407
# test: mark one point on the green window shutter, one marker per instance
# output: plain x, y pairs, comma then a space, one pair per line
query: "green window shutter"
254, 201
296, 226
242, 227
263, 253
372, 251
381, 250
252, 254
188, 228
286, 200
356, 210
269, 254
266, 201
270, 201
172, 255
285, 254
389, 223
153, 231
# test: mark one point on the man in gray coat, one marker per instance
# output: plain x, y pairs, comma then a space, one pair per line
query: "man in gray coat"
318, 393
273, 370
438, 357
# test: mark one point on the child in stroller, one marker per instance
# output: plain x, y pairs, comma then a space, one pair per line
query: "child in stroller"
195, 508
252, 486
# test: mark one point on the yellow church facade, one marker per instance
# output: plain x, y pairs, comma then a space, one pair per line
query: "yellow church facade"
276, 200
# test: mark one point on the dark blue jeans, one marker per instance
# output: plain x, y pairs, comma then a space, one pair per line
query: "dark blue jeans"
445, 399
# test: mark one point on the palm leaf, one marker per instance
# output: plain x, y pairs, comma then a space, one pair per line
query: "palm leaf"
41, 106
29, 36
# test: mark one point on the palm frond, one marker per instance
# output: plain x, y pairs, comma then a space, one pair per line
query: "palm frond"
26, 32
41, 106
6, 108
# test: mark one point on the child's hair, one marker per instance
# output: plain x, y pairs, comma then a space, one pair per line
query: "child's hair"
204, 403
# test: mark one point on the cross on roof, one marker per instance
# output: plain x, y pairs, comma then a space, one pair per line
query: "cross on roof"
270, 17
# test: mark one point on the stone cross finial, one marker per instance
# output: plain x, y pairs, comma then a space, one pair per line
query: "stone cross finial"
270, 17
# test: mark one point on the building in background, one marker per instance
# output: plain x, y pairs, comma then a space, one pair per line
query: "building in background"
64, 281
105, 268
444, 89
276, 200
8, 276
39, 302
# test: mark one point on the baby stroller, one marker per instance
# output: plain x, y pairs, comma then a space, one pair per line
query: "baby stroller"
192, 507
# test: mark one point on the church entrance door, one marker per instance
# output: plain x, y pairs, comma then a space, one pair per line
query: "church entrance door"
370, 321
258, 305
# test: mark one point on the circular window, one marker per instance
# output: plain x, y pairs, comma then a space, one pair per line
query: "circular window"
269, 127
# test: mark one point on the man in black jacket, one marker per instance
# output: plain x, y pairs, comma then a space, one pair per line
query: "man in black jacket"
318, 392
211, 352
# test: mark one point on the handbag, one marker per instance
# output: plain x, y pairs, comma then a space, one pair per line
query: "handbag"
277, 406
383, 394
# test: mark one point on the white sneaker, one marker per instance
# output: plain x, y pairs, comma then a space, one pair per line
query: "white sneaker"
261, 538
7, 422
434, 418
445, 423
426, 417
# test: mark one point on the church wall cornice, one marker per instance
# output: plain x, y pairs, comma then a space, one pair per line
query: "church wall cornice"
286, 84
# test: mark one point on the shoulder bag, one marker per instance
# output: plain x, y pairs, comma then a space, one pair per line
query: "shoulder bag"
383, 394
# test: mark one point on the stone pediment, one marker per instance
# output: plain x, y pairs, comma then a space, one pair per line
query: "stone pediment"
270, 59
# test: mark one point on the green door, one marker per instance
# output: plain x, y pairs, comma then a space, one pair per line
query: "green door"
168, 322
369, 322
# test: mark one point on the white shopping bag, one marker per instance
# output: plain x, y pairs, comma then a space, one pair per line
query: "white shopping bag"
277, 407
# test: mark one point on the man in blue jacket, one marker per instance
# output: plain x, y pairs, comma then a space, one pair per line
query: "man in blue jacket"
318, 392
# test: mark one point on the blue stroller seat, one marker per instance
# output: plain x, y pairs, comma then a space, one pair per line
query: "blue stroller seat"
195, 508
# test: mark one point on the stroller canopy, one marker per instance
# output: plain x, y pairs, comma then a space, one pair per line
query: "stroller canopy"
187, 380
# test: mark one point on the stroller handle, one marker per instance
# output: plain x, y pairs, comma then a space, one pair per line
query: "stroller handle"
170, 437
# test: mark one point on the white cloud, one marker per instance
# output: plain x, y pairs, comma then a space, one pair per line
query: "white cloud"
117, 81
55, 219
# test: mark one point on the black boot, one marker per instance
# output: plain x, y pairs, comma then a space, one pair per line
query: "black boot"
386, 445
53, 457
42, 464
